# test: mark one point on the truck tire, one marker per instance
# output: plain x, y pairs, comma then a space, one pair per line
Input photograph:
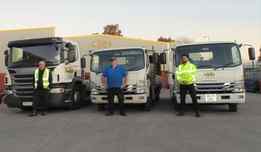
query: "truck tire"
232, 107
148, 105
76, 98
26, 108
101, 107
175, 103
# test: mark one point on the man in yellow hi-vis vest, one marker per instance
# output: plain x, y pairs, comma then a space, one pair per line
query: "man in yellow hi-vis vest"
186, 77
42, 81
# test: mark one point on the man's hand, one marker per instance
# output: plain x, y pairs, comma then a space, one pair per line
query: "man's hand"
103, 86
124, 85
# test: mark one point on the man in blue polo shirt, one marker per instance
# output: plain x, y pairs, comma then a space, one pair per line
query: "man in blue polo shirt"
114, 79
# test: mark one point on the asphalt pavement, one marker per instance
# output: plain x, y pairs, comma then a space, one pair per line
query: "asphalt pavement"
160, 130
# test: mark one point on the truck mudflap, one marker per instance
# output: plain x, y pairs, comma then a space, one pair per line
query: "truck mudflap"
128, 99
224, 98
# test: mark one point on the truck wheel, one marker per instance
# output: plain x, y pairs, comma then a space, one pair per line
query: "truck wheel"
76, 98
26, 108
101, 107
175, 103
232, 107
147, 106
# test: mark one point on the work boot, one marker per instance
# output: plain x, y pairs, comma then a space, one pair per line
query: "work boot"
180, 114
34, 113
197, 114
122, 113
43, 113
109, 113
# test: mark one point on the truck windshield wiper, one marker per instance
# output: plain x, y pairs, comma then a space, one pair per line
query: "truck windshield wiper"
131, 68
205, 66
222, 66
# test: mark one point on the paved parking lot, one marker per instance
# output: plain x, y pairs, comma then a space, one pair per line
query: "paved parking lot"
88, 130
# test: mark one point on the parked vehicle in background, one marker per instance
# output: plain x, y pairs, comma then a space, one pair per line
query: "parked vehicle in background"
69, 88
143, 75
220, 77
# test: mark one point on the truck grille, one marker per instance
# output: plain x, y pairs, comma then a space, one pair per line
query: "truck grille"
23, 87
213, 88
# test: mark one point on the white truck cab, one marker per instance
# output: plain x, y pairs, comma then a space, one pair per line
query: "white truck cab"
141, 64
220, 77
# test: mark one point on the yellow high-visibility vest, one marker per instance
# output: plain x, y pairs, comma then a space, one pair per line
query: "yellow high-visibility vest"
186, 73
46, 75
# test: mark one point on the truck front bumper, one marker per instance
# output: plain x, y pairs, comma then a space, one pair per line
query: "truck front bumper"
55, 100
128, 99
220, 98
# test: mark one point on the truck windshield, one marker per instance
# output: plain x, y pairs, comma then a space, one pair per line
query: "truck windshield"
211, 55
131, 59
29, 56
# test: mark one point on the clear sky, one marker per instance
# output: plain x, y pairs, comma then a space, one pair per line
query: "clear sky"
217, 19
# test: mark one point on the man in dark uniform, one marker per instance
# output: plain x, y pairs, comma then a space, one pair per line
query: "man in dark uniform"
42, 82
114, 79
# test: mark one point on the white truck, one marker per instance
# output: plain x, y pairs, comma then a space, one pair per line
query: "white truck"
220, 77
143, 75
69, 87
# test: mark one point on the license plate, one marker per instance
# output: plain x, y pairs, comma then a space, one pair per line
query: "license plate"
27, 103
211, 97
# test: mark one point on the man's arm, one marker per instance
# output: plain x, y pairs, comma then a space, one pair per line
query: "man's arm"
50, 79
34, 80
104, 78
125, 79
103, 81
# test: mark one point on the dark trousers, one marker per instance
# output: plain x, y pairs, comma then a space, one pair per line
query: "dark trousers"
40, 100
119, 93
183, 91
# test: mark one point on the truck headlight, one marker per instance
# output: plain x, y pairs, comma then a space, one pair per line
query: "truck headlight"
238, 86
140, 90
131, 88
8, 92
94, 91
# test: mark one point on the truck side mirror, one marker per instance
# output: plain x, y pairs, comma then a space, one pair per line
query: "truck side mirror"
155, 58
173, 76
83, 62
251, 53
6, 57
163, 58
151, 59
71, 55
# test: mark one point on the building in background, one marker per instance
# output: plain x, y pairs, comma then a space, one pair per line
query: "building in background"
88, 43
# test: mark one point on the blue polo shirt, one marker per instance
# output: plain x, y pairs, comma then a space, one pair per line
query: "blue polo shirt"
114, 76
